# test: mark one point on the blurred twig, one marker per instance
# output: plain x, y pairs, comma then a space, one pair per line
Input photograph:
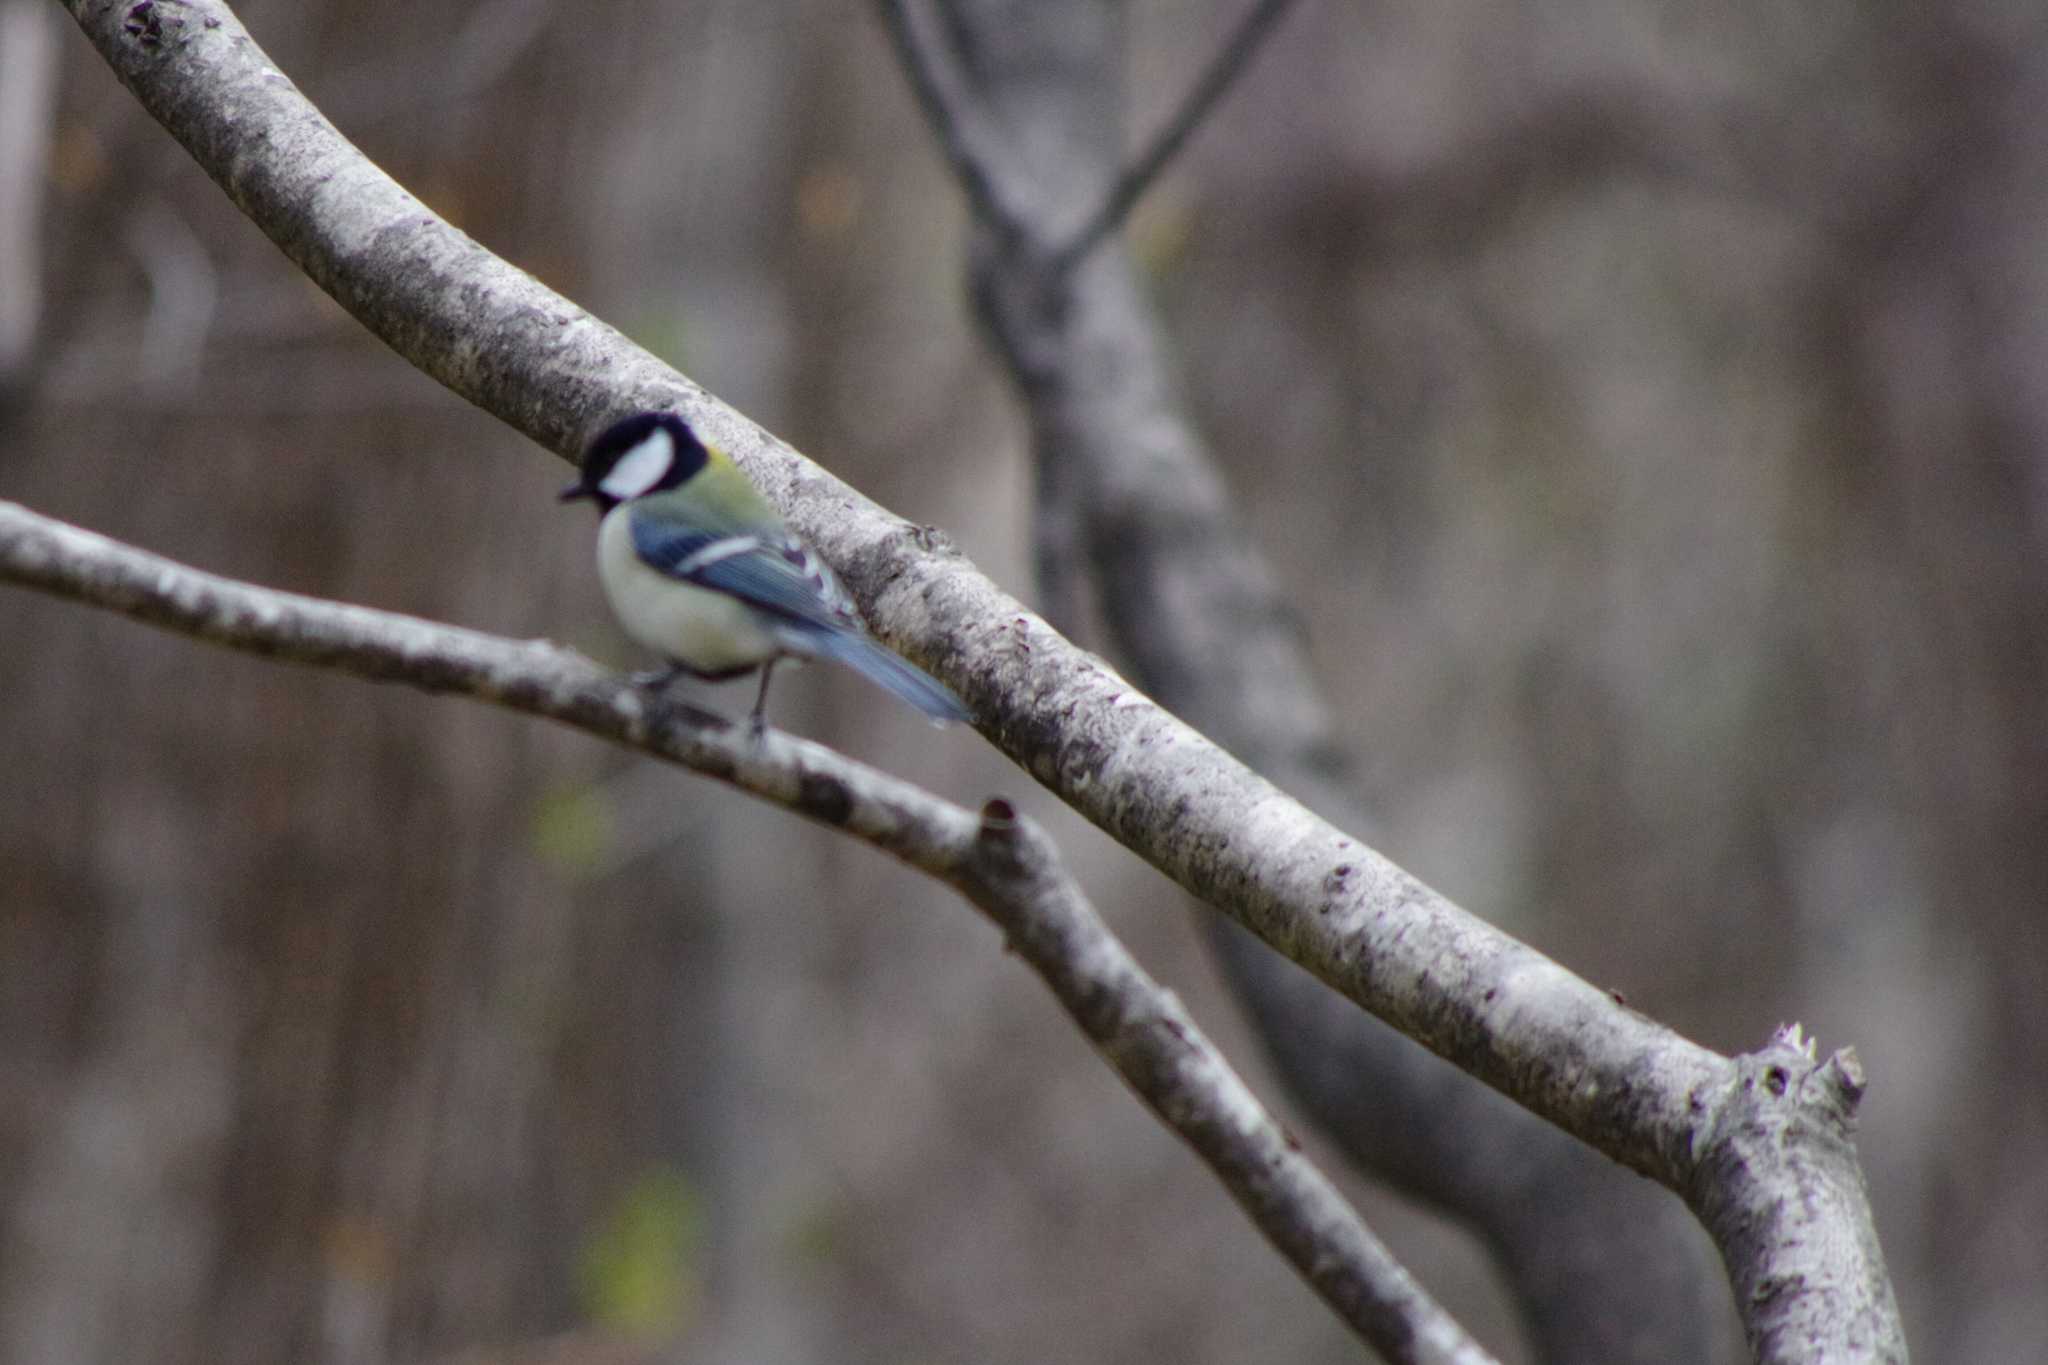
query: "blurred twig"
1230, 62
928, 56
999, 860
184, 292
926, 45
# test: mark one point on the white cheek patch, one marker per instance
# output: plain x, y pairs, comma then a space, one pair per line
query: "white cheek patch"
640, 468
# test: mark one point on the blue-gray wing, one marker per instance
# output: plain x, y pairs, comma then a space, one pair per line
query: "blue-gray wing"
777, 573
774, 572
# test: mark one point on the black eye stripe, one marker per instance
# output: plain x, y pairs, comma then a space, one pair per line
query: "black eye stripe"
688, 454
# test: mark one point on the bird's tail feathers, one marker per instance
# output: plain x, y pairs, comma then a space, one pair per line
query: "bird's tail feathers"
892, 671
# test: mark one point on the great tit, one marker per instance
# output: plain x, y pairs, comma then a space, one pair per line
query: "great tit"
700, 569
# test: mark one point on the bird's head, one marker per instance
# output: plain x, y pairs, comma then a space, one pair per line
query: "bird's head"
646, 453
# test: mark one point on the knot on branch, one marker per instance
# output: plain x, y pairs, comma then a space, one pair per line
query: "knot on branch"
1783, 1094
145, 24
1832, 1089
1001, 841
1778, 1186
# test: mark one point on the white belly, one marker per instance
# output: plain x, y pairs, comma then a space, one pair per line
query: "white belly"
706, 632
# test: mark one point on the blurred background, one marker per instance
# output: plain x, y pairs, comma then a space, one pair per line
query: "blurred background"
1646, 407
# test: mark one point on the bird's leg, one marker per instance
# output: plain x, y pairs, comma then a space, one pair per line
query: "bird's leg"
759, 720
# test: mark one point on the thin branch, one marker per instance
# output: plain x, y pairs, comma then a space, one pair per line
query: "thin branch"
956, 118
1230, 62
1002, 862
1783, 1195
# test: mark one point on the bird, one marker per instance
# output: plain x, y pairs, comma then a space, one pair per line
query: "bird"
699, 568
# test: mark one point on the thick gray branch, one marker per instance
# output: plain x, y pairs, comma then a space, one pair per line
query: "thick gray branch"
1004, 864
1783, 1195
